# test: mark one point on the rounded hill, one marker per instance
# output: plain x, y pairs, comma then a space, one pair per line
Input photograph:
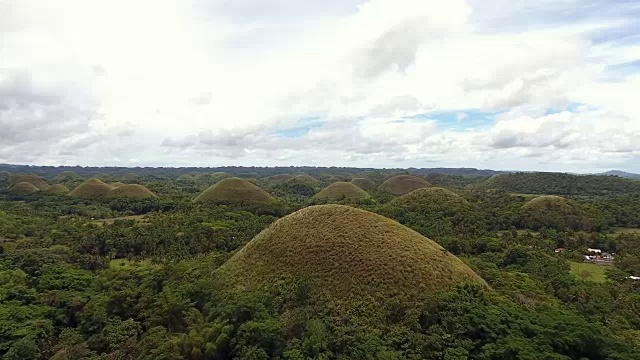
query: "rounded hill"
280, 178
57, 189
341, 191
132, 191
116, 184
346, 253
185, 178
32, 179
364, 183
24, 188
403, 184
91, 188
306, 179
235, 190
554, 212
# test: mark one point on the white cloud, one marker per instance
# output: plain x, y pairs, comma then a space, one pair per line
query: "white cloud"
198, 82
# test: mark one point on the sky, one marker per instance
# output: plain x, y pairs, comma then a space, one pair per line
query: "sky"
501, 84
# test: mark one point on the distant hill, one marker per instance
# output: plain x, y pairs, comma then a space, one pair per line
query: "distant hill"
622, 174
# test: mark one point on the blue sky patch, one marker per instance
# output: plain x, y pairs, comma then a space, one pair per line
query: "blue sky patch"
459, 120
301, 128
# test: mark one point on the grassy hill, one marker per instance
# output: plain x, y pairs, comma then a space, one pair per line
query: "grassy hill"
32, 179
341, 191
554, 212
403, 184
235, 190
132, 191
24, 188
364, 183
91, 188
343, 253
58, 189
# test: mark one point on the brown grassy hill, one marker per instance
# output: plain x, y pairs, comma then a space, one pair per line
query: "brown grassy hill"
364, 183
116, 184
185, 178
554, 212
403, 184
235, 190
24, 188
346, 253
132, 191
430, 199
91, 188
32, 179
57, 189
341, 191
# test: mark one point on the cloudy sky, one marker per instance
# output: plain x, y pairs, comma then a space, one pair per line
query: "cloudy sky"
503, 84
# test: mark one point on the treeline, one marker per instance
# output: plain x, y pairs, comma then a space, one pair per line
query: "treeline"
562, 184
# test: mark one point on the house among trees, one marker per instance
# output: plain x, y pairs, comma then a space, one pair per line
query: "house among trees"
596, 256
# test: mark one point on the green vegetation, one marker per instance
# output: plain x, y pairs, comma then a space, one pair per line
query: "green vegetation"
341, 191
24, 188
344, 252
364, 184
132, 191
588, 271
58, 189
306, 179
403, 184
113, 277
554, 212
235, 190
562, 184
91, 189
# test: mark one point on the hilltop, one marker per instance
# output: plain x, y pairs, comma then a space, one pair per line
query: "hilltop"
32, 179
132, 191
341, 191
235, 190
364, 184
403, 184
554, 212
58, 189
91, 188
24, 188
346, 253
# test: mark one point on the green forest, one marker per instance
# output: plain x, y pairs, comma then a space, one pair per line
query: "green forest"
317, 263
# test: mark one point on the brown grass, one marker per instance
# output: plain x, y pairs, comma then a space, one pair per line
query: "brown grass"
211, 178
58, 189
342, 191
116, 184
346, 253
364, 184
555, 212
306, 179
32, 179
403, 184
185, 178
235, 190
91, 188
132, 191
24, 188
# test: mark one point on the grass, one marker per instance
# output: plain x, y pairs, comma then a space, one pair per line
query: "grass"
32, 179
91, 189
235, 190
185, 178
588, 271
306, 179
364, 184
58, 189
346, 253
132, 191
403, 184
620, 231
430, 199
24, 188
342, 191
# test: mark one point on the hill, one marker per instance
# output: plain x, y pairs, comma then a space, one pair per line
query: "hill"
185, 178
24, 188
554, 212
132, 191
32, 179
341, 191
346, 253
306, 179
430, 199
364, 183
622, 174
561, 184
208, 179
57, 189
280, 178
235, 190
403, 184
91, 188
